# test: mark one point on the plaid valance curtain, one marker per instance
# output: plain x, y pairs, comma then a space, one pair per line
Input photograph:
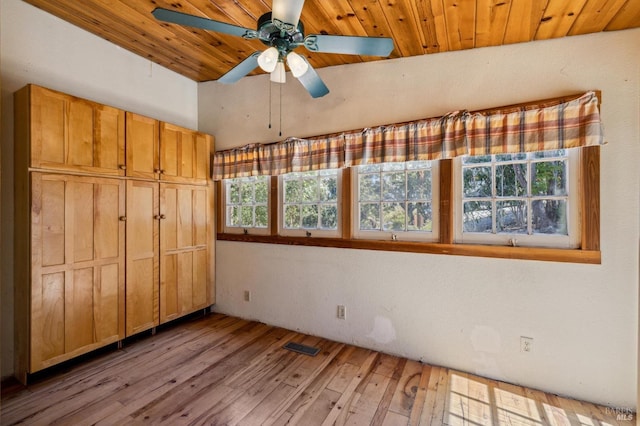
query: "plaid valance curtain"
532, 128
539, 127
429, 139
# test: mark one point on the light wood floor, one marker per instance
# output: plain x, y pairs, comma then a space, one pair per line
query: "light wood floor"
220, 370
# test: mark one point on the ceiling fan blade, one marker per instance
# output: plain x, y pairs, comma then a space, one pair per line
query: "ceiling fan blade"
240, 70
313, 83
180, 18
287, 11
350, 45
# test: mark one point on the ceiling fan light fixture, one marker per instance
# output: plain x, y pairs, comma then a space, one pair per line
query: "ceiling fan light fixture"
278, 75
297, 64
268, 60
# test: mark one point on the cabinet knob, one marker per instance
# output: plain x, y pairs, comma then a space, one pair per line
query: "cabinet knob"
123, 218
159, 216
162, 216
122, 167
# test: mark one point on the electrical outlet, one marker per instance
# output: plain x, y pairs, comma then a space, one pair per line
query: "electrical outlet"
342, 312
526, 344
247, 296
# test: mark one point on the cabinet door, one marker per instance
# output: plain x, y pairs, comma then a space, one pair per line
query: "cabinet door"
77, 266
184, 154
73, 134
142, 256
184, 251
142, 146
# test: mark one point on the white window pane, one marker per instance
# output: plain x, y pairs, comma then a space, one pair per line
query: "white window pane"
329, 217
549, 217
477, 182
394, 217
310, 216
292, 191
261, 191
419, 185
369, 216
329, 189
420, 217
511, 180
369, 186
476, 159
309, 190
477, 216
262, 216
393, 186
549, 178
292, 216
511, 217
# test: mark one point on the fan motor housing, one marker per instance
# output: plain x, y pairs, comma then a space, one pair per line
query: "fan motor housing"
282, 36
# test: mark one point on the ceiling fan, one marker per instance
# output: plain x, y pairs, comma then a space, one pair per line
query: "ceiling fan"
283, 32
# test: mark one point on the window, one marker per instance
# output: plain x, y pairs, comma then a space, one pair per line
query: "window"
518, 199
309, 203
246, 205
395, 201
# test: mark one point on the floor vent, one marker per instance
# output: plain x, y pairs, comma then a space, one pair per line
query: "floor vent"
303, 349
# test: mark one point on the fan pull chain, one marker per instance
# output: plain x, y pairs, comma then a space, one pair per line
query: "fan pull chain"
280, 130
269, 104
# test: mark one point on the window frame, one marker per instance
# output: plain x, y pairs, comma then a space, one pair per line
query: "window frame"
222, 212
569, 241
309, 232
416, 236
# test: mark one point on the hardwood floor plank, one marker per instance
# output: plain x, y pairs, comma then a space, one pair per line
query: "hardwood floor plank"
223, 370
344, 402
405, 395
421, 396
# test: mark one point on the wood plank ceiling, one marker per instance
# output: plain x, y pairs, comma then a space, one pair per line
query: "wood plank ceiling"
417, 26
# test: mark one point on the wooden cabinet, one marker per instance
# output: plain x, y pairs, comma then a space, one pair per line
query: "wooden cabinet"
143, 147
184, 154
185, 228
77, 266
158, 150
68, 133
142, 256
113, 232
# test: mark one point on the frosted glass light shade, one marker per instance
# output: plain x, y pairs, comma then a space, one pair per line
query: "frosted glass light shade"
297, 65
268, 60
278, 75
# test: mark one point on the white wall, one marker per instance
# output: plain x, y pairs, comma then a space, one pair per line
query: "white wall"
463, 312
38, 48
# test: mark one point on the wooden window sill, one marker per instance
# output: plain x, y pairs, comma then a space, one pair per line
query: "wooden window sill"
501, 252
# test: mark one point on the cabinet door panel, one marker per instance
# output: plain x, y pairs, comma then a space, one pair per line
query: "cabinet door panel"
185, 281
79, 219
48, 209
48, 118
184, 266
77, 301
142, 146
78, 309
80, 135
186, 211
203, 145
107, 303
69, 133
106, 233
109, 143
184, 154
142, 257
200, 287
47, 318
